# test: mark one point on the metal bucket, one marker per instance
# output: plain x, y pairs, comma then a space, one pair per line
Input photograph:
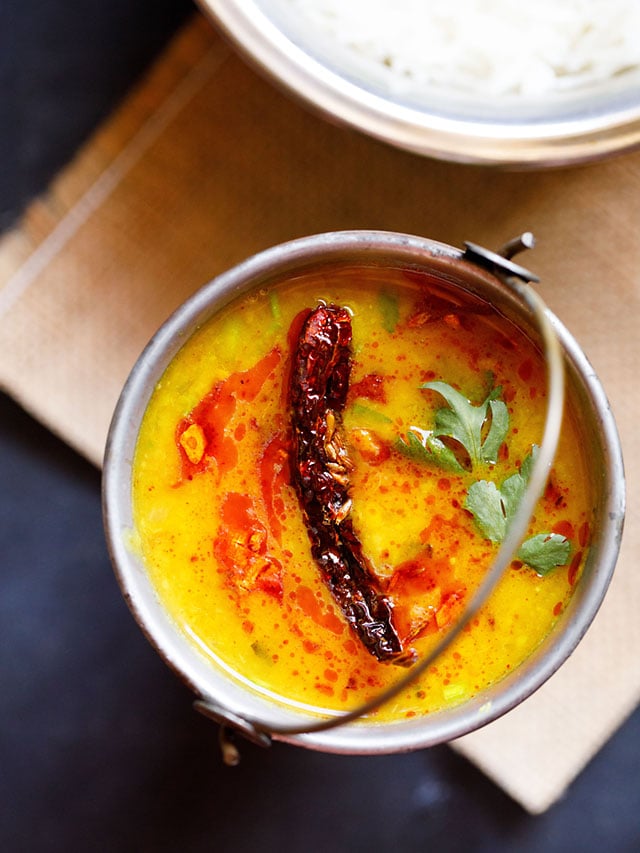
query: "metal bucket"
236, 705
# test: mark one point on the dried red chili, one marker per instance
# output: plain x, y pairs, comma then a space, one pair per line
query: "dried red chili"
320, 468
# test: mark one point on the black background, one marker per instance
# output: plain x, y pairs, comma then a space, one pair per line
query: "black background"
99, 746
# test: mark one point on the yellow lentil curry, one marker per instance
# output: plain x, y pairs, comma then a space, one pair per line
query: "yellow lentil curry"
219, 521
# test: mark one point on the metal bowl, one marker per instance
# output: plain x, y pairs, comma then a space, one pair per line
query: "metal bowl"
576, 126
236, 704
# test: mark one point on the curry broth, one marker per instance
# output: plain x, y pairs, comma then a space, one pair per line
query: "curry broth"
278, 629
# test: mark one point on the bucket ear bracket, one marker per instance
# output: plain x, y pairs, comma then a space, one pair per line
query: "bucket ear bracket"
500, 262
230, 726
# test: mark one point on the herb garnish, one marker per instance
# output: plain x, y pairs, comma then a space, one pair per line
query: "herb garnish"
422, 445
276, 310
493, 508
479, 430
389, 309
463, 424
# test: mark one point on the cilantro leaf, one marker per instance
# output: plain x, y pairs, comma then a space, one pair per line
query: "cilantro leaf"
423, 446
511, 492
484, 501
465, 423
497, 431
493, 508
544, 551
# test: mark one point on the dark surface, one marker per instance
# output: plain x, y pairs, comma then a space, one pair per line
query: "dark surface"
99, 747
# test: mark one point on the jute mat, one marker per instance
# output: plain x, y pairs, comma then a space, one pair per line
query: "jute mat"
205, 164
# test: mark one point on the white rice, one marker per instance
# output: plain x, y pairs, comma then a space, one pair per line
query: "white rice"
493, 47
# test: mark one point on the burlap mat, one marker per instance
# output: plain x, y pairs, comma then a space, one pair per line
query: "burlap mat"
206, 164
